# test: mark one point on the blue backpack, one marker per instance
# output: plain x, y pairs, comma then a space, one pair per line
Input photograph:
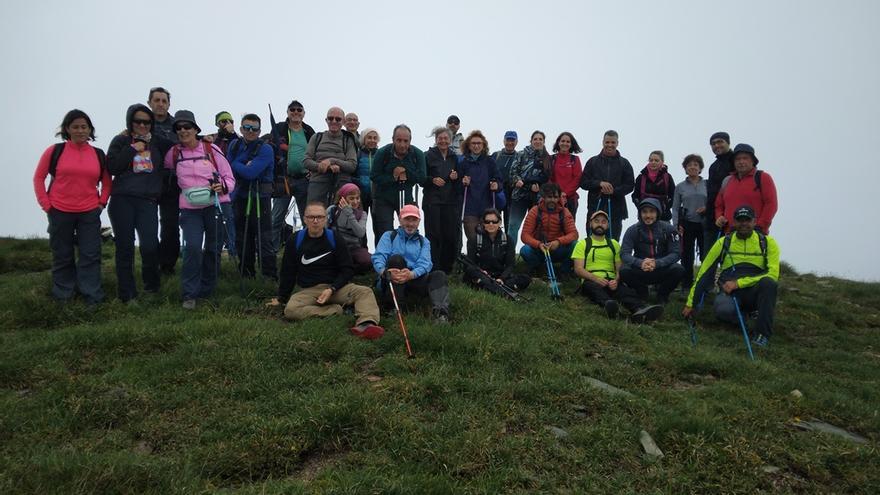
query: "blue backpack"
301, 235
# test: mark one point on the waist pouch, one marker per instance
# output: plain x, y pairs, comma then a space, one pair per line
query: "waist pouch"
199, 196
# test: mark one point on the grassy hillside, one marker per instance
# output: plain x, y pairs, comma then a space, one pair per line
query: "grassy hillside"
232, 399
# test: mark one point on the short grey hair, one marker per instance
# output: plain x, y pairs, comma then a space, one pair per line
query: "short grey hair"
401, 126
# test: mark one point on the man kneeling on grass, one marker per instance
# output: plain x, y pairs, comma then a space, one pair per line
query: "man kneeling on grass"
597, 261
321, 265
403, 258
749, 273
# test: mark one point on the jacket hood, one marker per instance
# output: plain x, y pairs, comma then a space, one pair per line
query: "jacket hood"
652, 202
137, 107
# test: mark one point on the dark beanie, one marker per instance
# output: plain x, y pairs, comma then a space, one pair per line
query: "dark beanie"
720, 135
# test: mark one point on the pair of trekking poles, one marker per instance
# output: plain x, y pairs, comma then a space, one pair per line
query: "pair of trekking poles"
692, 325
258, 244
503, 288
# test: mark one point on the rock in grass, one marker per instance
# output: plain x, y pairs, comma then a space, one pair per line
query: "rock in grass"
609, 388
796, 394
770, 469
557, 432
651, 448
817, 425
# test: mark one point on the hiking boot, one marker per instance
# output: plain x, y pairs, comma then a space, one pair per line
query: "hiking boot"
612, 308
367, 330
761, 341
441, 317
646, 314
189, 304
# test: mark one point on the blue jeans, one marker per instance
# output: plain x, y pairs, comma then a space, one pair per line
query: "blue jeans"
535, 257
200, 265
82, 230
130, 214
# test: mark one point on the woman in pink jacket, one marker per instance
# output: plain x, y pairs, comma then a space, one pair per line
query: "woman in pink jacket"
203, 174
73, 201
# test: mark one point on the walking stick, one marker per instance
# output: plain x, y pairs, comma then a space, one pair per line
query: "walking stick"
259, 242
409, 352
246, 241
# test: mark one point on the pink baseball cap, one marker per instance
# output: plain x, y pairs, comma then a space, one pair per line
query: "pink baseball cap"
410, 211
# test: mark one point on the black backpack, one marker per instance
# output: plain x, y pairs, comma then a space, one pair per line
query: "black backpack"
56, 155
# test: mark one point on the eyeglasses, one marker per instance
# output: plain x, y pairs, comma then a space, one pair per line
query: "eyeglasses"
492, 222
315, 218
295, 109
251, 128
141, 121
184, 127
334, 119
225, 121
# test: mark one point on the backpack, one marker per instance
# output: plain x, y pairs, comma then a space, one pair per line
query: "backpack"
538, 221
208, 149
725, 248
301, 235
758, 175
345, 137
588, 246
480, 235
56, 155
421, 239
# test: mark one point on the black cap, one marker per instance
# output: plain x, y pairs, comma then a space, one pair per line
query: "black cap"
744, 211
720, 135
453, 119
745, 148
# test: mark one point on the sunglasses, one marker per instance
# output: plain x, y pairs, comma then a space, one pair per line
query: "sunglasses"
454, 122
295, 109
251, 128
184, 127
141, 121
334, 119
493, 222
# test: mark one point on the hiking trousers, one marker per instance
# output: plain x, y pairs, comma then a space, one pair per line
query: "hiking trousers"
247, 245
760, 297
665, 278
693, 238
434, 285
303, 304
169, 232
600, 295
67, 232
201, 263
516, 281
130, 214
443, 229
562, 255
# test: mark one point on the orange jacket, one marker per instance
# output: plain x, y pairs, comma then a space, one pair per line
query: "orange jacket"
550, 229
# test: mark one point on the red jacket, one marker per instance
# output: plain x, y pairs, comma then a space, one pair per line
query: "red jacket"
550, 228
566, 171
736, 192
75, 185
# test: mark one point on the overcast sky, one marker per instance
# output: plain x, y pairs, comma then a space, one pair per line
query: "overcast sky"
798, 80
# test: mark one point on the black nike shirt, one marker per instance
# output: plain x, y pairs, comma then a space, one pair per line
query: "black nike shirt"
315, 262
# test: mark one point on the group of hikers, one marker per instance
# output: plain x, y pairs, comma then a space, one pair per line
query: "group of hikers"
162, 175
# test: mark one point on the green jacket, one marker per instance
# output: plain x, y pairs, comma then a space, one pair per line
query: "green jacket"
745, 257
385, 162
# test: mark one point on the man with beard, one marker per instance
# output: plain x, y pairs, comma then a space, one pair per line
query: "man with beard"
650, 253
597, 262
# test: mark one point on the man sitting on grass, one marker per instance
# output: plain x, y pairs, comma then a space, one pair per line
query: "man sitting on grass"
403, 258
651, 253
597, 261
749, 274
321, 265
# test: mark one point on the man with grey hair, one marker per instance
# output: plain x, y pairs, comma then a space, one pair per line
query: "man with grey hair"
397, 167
352, 123
331, 158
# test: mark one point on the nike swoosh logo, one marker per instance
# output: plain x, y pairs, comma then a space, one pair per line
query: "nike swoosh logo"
309, 261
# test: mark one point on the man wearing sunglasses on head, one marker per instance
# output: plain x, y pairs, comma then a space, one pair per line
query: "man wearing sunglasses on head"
252, 162
331, 158
290, 139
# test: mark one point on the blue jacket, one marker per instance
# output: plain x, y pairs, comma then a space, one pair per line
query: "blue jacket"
482, 171
415, 249
258, 171
362, 175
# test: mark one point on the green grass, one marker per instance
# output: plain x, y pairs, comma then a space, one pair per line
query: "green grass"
232, 399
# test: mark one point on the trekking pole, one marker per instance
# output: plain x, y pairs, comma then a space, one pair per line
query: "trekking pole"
506, 289
692, 325
409, 352
551, 275
222, 217
246, 241
610, 221
331, 192
259, 242
742, 323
